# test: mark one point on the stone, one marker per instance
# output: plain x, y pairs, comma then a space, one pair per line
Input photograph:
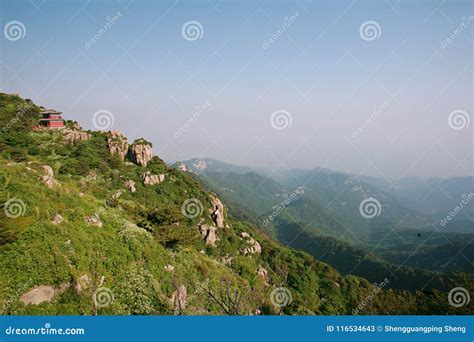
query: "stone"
217, 211
150, 179
179, 299
48, 178
130, 185
169, 268
262, 272
57, 219
38, 295
94, 220
209, 235
71, 136
182, 167
140, 152
82, 283
253, 247
118, 144
227, 260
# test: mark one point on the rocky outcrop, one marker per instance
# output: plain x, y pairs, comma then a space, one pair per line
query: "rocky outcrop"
169, 268
182, 167
130, 185
209, 235
140, 152
217, 211
71, 136
38, 295
179, 299
149, 179
94, 220
57, 219
48, 178
200, 165
253, 247
262, 272
118, 144
82, 283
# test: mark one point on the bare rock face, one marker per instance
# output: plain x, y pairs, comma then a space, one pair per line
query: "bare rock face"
209, 235
82, 283
93, 220
200, 165
217, 212
71, 136
117, 143
38, 295
57, 219
140, 152
179, 299
130, 185
48, 178
182, 167
253, 247
262, 272
150, 179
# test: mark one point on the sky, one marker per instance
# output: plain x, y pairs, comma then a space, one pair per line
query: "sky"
383, 88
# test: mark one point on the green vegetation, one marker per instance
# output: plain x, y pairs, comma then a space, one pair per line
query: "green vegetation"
147, 250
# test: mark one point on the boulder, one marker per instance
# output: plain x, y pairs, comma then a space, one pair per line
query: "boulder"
71, 136
182, 167
82, 283
140, 152
262, 272
253, 247
118, 144
48, 178
130, 185
38, 295
57, 219
209, 235
94, 220
150, 179
179, 299
217, 211
169, 268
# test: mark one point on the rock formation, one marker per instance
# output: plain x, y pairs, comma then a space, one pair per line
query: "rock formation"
130, 185
262, 272
217, 211
140, 152
117, 144
253, 247
82, 283
179, 299
94, 220
57, 219
48, 178
71, 136
209, 235
182, 167
38, 295
149, 179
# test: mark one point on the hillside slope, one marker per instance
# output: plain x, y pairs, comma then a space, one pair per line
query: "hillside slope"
92, 225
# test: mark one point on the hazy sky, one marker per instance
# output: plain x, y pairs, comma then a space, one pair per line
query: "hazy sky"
368, 86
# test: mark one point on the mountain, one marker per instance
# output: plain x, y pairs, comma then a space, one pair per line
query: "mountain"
91, 224
199, 166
